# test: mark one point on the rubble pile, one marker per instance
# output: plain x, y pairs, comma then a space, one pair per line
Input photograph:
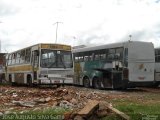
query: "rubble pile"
26, 98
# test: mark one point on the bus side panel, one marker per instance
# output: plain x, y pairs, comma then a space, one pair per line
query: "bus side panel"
157, 72
19, 78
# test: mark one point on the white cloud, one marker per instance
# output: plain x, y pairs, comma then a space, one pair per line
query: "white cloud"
90, 21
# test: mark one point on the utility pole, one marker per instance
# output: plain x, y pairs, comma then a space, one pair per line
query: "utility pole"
56, 29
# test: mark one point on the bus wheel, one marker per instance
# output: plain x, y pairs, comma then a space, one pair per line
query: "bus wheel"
29, 80
96, 83
86, 82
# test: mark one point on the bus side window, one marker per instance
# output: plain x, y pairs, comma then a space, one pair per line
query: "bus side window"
102, 54
126, 57
75, 56
28, 55
10, 59
156, 51
157, 58
111, 54
157, 55
76, 59
17, 57
13, 58
107, 52
80, 57
96, 57
119, 53
88, 56
22, 58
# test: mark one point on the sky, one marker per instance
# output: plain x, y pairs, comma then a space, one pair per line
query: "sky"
81, 22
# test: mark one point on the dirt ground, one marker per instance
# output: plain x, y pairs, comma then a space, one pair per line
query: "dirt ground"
22, 99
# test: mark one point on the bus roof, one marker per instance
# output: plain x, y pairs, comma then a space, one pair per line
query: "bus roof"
113, 45
39, 45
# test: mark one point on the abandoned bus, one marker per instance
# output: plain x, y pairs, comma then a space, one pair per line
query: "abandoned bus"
40, 64
119, 65
157, 66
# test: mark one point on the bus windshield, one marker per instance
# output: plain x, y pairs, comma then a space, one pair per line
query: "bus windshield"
56, 59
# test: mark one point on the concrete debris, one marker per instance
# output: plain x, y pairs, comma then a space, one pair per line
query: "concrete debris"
37, 109
83, 102
14, 95
42, 100
66, 104
24, 103
1, 113
7, 112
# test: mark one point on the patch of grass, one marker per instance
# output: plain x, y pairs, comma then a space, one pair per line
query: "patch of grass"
111, 117
145, 106
48, 114
5, 84
138, 111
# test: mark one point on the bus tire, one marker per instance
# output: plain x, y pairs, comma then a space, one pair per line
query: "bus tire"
86, 82
96, 83
29, 80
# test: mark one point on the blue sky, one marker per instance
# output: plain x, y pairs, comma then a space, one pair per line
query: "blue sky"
28, 22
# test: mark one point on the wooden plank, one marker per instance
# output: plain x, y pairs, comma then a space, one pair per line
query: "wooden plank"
119, 113
90, 107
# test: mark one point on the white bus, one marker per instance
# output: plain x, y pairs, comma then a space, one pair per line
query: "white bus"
40, 64
157, 66
118, 65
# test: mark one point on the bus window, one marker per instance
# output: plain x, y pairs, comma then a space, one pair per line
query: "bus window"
88, 56
126, 57
22, 58
66, 59
80, 57
112, 51
28, 55
157, 55
9, 59
96, 57
119, 53
48, 58
35, 56
111, 54
13, 58
156, 52
75, 57
17, 57
102, 56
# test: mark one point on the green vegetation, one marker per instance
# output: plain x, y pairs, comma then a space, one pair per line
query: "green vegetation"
47, 114
148, 107
139, 111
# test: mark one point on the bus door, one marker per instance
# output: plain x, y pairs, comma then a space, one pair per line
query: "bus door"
35, 64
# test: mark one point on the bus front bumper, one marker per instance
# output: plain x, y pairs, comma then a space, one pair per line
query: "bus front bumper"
56, 81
